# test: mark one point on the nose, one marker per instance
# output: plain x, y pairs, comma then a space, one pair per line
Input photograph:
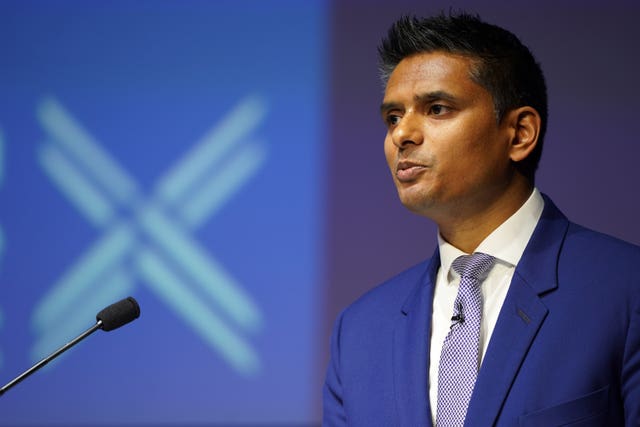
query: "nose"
408, 131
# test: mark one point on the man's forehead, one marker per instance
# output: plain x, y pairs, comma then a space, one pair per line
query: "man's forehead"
432, 66
430, 72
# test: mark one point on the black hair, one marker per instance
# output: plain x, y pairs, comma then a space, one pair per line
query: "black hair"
502, 64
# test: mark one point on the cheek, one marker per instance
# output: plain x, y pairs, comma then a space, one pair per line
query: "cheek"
390, 152
471, 144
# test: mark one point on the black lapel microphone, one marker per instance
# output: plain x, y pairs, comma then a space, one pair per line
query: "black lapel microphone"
458, 317
108, 319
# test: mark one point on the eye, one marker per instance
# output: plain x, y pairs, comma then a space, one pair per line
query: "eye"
392, 119
438, 109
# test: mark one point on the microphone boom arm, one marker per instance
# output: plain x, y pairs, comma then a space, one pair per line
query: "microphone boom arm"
108, 319
52, 356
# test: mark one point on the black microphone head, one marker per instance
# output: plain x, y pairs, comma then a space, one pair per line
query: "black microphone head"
119, 314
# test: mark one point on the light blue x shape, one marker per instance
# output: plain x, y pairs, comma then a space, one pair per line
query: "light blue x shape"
153, 241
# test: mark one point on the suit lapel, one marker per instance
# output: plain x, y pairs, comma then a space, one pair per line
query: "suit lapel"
411, 350
521, 316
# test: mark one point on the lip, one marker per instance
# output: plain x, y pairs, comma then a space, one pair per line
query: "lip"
407, 171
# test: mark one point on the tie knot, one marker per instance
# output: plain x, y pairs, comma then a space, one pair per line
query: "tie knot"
475, 266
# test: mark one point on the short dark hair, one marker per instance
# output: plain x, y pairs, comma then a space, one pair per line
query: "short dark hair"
503, 65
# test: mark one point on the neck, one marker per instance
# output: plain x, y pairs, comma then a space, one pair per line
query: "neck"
467, 228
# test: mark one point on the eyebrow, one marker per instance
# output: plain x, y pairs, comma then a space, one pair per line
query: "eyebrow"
423, 98
389, 106
438, 95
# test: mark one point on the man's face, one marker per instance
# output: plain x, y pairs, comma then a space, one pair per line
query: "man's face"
446, 151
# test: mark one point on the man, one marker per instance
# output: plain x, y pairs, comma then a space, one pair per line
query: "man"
520, 318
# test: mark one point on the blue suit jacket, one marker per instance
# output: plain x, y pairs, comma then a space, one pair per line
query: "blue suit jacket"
565, 349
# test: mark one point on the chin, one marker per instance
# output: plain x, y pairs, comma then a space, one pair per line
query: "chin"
416, 203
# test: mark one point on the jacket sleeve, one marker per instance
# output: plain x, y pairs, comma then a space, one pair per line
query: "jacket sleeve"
333, 410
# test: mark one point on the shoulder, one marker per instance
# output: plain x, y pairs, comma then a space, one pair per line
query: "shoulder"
578, 245
369, 322
598, 267
388, 298
591, 246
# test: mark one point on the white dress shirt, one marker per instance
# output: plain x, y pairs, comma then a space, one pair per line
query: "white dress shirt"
506, 243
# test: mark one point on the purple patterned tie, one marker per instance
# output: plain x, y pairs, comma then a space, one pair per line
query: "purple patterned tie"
459, 360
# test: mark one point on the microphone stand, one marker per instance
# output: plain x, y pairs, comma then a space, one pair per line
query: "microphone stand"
52, 356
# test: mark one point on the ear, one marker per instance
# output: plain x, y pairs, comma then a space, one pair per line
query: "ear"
526, 126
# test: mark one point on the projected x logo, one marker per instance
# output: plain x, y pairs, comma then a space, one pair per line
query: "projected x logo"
153, 241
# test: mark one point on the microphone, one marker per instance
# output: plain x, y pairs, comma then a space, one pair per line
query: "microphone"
118, 314
110, 318
458, 317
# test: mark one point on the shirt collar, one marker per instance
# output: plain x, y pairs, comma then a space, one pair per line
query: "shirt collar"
508, 241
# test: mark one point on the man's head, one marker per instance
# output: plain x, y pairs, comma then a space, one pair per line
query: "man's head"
500, 63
